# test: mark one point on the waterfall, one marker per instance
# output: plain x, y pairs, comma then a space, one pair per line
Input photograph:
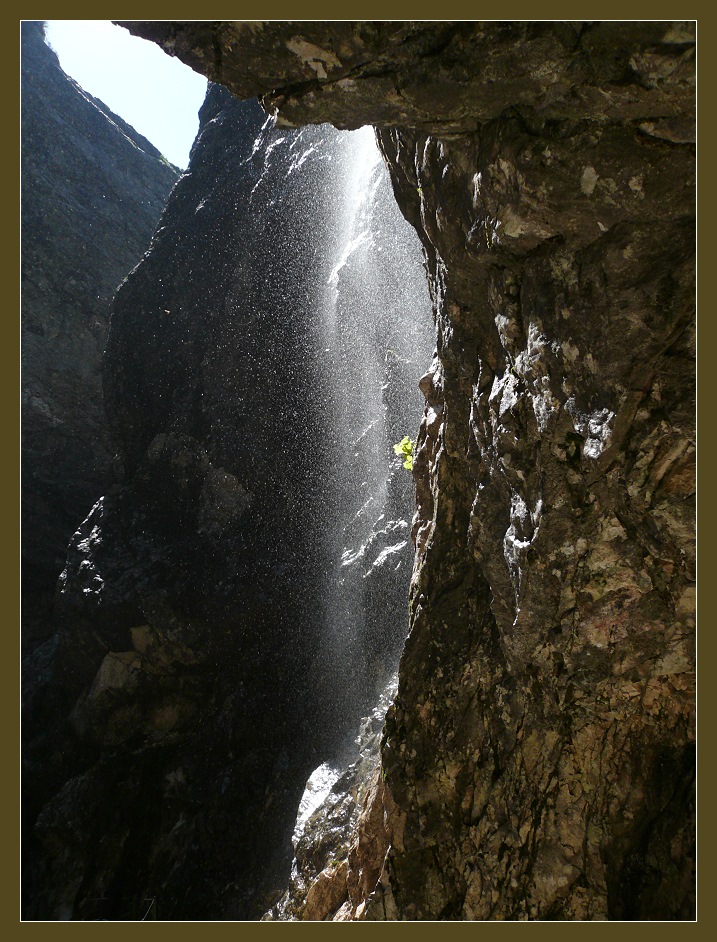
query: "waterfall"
363, 333
357, 297
378, 332
346, 299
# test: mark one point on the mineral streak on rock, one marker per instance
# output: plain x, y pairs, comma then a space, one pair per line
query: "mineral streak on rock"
539, 757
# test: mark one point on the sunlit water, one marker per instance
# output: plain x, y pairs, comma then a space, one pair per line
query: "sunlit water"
377, 339
369, 336
378, 330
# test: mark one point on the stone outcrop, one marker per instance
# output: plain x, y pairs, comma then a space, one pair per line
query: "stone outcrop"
447, 78
92, 192
539, 757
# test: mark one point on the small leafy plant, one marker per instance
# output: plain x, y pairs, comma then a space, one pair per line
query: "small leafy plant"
405, 448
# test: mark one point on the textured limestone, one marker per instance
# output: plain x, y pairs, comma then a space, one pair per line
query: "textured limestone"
540, 753
543, 734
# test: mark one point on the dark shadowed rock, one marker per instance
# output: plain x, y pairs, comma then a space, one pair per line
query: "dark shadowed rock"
338, 853
92, 192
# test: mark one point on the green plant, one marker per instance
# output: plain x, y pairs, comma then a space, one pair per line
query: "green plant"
405, 448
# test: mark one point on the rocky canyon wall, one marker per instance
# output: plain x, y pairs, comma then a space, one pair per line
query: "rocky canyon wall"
92, 193
538, 761
211, 647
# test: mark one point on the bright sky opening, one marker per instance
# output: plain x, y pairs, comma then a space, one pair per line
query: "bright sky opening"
158, 95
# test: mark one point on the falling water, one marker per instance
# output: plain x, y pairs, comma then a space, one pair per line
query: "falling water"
352, 319
340, 302
347, 271
378, 332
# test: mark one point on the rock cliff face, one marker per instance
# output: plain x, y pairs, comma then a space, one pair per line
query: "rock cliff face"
539, 757
92, 193
200, 668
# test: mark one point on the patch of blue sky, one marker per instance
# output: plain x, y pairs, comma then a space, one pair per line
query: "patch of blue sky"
158, 95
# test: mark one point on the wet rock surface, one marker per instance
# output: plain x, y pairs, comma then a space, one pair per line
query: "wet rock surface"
540, 752
92, 192
338, 856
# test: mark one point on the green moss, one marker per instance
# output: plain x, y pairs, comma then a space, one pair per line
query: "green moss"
405, 448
